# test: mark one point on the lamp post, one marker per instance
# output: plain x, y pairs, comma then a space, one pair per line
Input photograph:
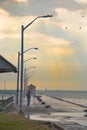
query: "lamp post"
19, 54
29, 76
26, 78
22, 50
25, 75
17, 93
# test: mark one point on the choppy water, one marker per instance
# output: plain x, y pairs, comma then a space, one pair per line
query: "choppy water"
79, 97
72, 113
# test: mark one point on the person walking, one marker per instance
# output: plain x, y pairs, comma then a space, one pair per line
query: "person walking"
28, 95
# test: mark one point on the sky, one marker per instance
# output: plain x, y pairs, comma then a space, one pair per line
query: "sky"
61, 62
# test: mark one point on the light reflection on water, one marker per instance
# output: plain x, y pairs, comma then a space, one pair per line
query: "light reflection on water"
43, 117
57, 116
77, 117
68, 114
82, 122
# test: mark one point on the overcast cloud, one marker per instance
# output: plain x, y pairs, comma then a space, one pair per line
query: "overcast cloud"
62, 40
35, 7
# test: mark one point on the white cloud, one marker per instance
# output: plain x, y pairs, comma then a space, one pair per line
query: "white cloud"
67, 15
10, 27
81, 1
3, 12
43, 39
56, 44
73, 20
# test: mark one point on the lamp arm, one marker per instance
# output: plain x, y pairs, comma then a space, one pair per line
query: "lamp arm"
31, 22
45, 16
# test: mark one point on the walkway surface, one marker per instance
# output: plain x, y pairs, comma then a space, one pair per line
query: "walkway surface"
66, 115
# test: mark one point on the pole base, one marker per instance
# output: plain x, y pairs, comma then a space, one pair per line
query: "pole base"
21, 112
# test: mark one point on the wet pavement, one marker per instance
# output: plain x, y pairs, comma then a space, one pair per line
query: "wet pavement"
69, 116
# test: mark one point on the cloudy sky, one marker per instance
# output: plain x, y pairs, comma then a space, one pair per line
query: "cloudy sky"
62, 41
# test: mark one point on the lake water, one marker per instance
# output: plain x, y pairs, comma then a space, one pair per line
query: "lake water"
72, 112
79, 97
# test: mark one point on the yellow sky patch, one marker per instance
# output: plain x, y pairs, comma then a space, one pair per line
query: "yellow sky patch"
56, 85
81, 1
21, 0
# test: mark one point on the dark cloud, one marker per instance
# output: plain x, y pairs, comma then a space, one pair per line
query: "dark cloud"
39, 7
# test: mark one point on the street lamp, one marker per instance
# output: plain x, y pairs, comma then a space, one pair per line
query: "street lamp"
26, 80
30, 49
22, 50
19, 54
30, 59
26, 70
27, 75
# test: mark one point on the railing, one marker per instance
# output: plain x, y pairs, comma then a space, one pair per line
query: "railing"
6, 102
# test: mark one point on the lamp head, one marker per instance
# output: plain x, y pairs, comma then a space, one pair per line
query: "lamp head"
46, 16
36, 48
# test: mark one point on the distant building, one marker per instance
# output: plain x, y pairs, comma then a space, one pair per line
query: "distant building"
32, 88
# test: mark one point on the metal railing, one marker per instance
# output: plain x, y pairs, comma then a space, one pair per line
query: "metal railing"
6, 102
